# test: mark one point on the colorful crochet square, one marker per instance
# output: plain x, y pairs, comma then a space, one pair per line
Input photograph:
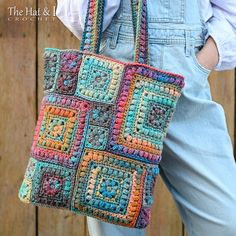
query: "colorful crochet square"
99, 79
101, 115
112, 187
97, 137
70, 61
61, 70
60, 130
142, 115
66, 83
47, 184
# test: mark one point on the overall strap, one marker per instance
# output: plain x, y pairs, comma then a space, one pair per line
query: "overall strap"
92, 33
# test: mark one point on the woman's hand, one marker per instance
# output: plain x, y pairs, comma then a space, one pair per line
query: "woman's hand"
208, 56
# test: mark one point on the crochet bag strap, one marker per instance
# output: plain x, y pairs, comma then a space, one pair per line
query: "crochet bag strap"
92, 32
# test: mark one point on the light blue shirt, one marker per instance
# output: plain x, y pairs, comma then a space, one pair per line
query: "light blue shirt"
220, 18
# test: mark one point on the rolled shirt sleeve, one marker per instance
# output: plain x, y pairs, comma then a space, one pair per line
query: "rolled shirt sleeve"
72, 13
222, 28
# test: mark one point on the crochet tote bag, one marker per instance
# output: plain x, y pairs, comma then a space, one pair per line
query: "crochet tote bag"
99, 135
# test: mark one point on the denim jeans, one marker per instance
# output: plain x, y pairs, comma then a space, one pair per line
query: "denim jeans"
197, 165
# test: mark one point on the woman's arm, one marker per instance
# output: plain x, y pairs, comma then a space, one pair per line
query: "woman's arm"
219, 51
72, 13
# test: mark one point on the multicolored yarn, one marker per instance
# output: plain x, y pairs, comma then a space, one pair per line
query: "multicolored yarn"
92, 33
141, 45
99, 135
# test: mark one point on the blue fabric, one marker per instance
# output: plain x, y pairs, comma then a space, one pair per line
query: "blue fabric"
198, 165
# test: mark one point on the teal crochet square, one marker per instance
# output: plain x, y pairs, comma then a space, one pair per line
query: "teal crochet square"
98, 79
111, 189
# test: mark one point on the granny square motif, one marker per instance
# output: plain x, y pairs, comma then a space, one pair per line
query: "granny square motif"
60, 130
142, 115
47, 184
113, 190
98, 79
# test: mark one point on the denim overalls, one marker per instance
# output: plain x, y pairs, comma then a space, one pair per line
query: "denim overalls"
197, 163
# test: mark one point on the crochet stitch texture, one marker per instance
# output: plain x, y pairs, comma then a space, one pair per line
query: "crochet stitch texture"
99, 135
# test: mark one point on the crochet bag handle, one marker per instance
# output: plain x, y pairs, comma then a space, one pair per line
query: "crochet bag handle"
93, 28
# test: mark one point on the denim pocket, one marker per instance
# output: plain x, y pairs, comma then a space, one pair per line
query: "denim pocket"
123, 50
194, 50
